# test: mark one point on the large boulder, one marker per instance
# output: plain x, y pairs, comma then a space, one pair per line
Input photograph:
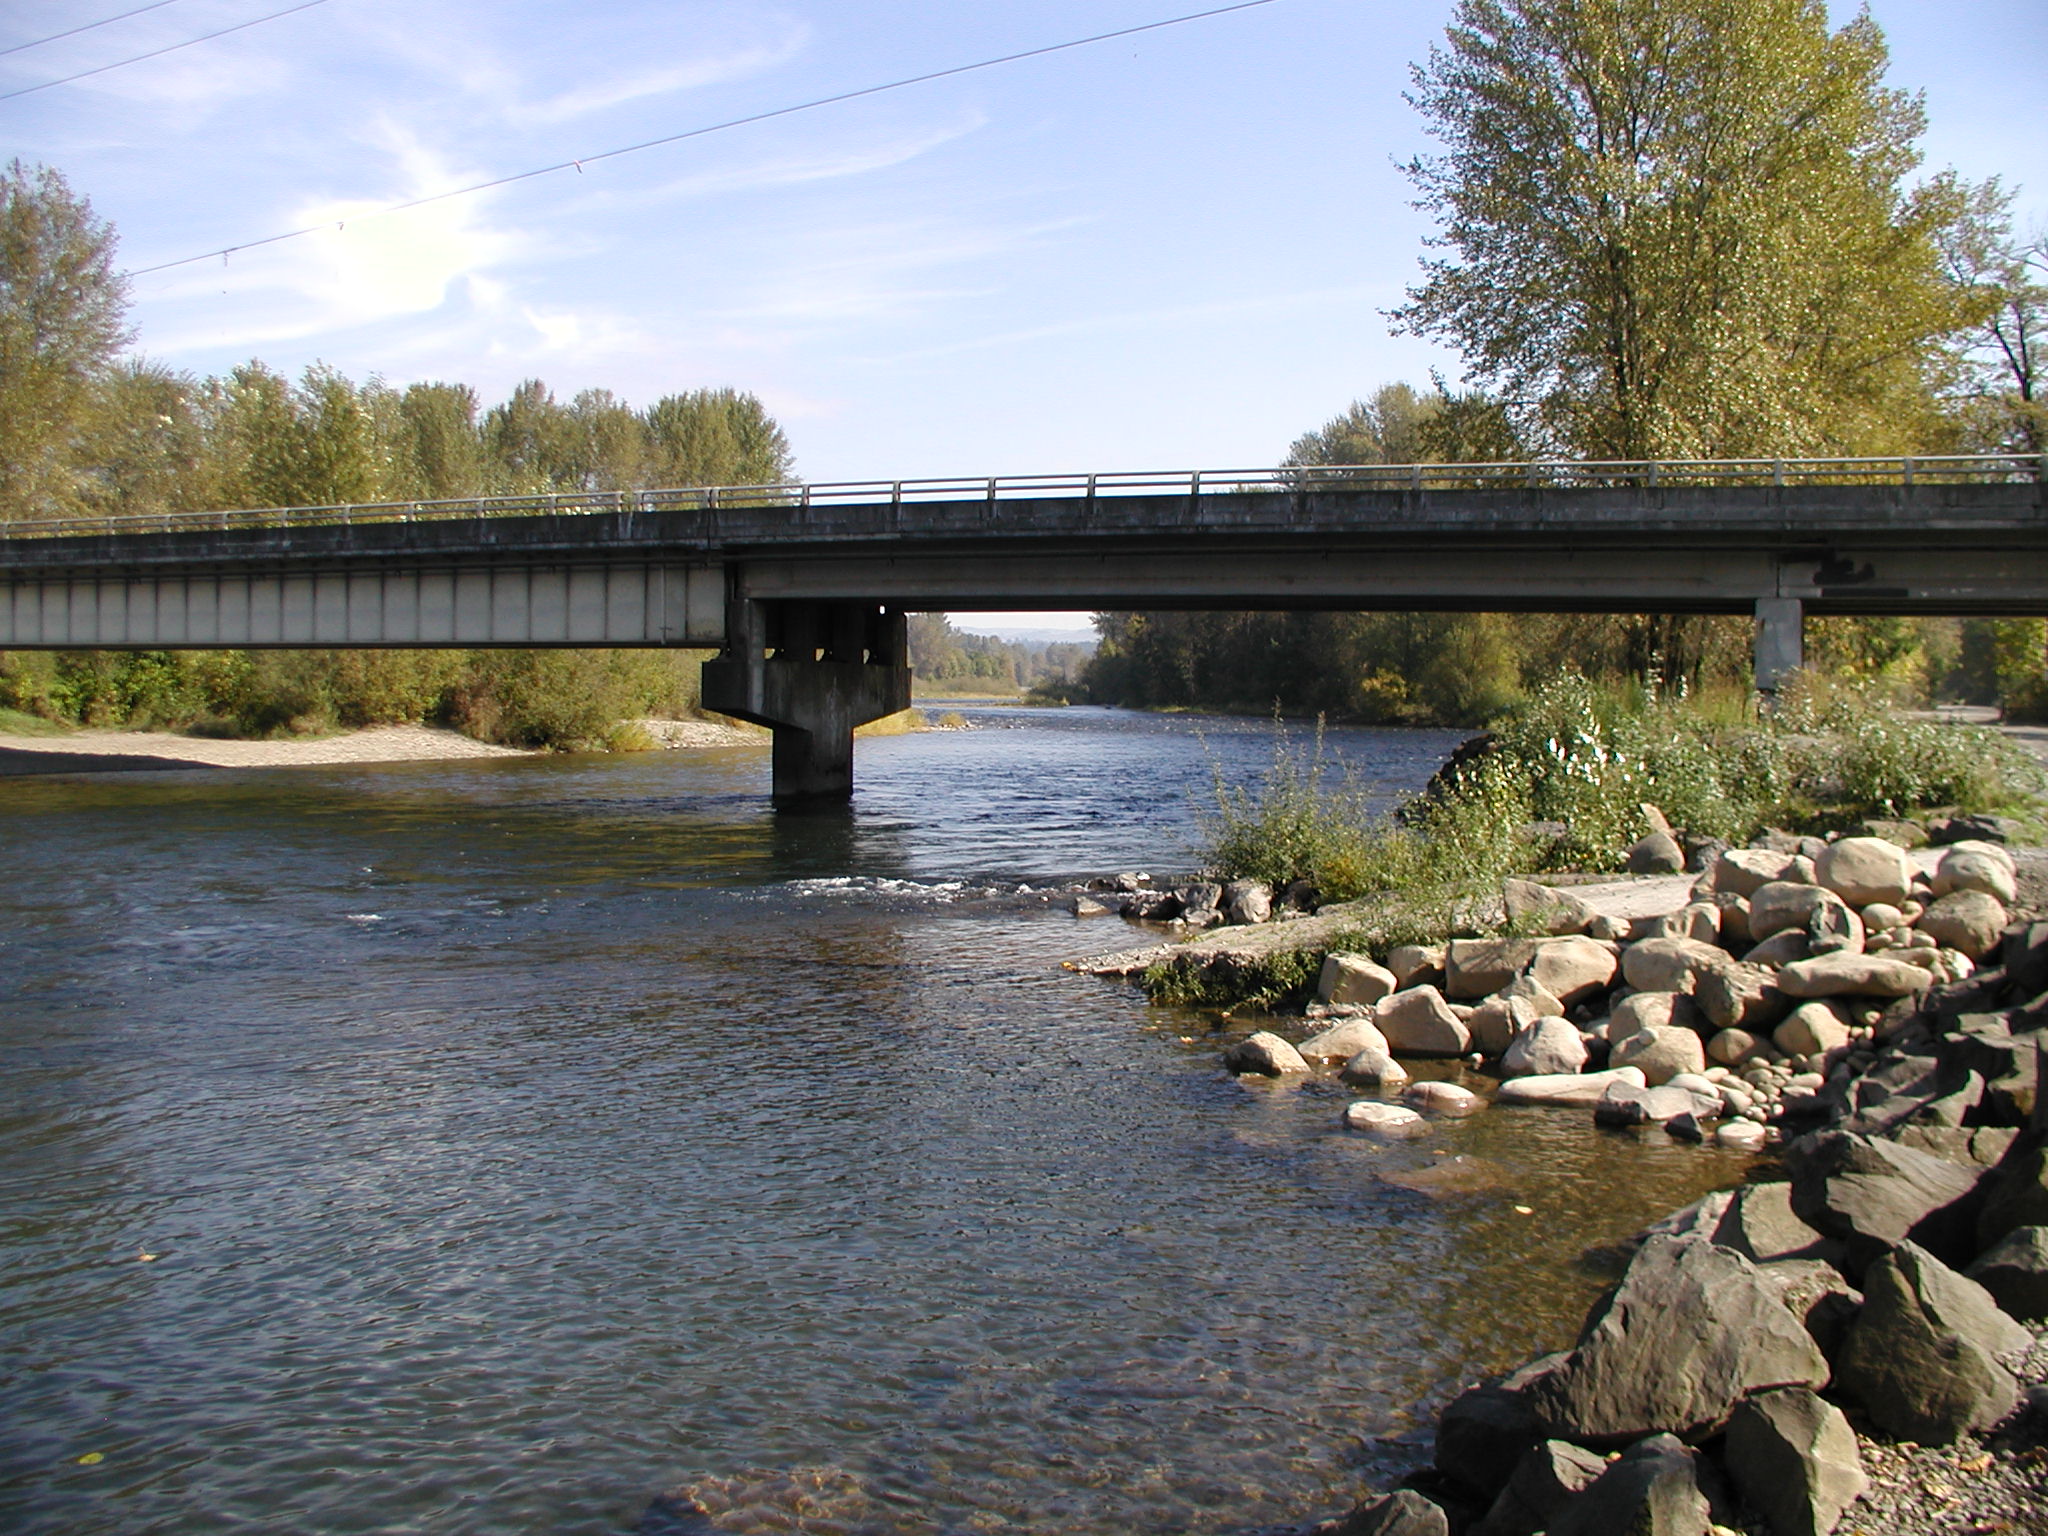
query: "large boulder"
1652, 1010
1974, 866
1545, 1048
2015, 1195
1344, 1039
1247, 901
1625, 1104
1418, 1022
1573, 968
1391, 1122
1413, 964
1871, 1194
1657, 854
1483, 1433
1545, 1480
2015, 1271
1793, 1456
1374, 1067
1264, 1053
1971, 921
1690, 1331
1537, 908
1570, 1090
1669, 965
1761, 1225
1495, 1022
1404, 1512
1848, 975
1660, 1054
1815, 1292
1475, 968
1861, 870
1740, 871
1782, 905
1813, 1029
1737, 995
1921, 1360
1353, 979
1650, 1489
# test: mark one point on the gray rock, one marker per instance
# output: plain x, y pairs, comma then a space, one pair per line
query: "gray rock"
1418, 1022
1483, 1433
1690, 1331
1265, 1053
1740, 871
1738, 995
1247, 901
1921, 1359
1651, 1489
1782, 904
1413, 964
1624, 1104
1545, 1480
1441, 1098
1403, 1512
1537, 908
1847, 975
1343, 1040
1815, 1293
1574, 1090
1494, 1024
1971, 921
1861, 870
1976, 867
1391, 1122
1669, 965
1834, 928
1202, 896
1546, 1048
1347, 978
1372, 1068
1660, 1054
2015, 1271
1640, 1010
1813, 1029
1475, 968
2016, 1195
1780, 949
1088, 906
1761, 1225
1872, 1194
1979, 828
1657, 854
1699, 921
1574, 968
1794, 1458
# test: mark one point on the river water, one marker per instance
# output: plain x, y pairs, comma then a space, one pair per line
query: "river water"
572, 1145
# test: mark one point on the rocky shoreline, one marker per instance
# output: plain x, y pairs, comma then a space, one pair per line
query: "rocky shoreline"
1854, 1341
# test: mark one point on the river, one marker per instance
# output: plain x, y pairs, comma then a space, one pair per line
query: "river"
513, 1140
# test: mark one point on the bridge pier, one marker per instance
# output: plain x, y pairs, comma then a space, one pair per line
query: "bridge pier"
810, 672
1779, 643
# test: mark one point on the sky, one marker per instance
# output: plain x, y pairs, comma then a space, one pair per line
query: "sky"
1171, 250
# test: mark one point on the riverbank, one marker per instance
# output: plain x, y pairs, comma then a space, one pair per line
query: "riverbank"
1852, 1339
145, 751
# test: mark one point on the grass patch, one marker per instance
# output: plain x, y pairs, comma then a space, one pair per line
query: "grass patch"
14, 722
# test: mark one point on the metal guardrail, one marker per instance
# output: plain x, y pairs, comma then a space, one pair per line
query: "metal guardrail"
1538, 475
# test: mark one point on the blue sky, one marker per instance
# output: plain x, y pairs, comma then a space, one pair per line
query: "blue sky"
1170, 250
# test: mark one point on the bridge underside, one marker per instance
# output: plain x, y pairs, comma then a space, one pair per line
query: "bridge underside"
805, 603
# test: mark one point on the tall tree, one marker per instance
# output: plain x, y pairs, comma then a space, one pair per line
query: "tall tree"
443, 448
1385, 429
1680, 228
2005, 355
62, 323
717, 437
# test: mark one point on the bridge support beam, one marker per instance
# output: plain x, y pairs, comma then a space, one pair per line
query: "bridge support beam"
810, 672
1780, 642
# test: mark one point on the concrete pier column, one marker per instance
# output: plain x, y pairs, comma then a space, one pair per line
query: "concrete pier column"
1780, 642
810, 672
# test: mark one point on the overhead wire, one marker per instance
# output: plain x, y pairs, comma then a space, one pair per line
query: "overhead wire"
157, 53
697, 133
154, 5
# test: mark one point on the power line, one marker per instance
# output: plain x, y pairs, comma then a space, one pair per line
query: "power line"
698, 133
154, 5
157, 53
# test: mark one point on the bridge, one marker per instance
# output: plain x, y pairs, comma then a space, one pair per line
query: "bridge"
803, 589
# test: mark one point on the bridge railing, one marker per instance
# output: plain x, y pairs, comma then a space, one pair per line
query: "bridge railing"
800, 498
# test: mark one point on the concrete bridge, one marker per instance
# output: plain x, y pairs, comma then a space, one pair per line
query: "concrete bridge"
803, 589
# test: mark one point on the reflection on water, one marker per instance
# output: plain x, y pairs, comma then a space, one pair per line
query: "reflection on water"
518, 1141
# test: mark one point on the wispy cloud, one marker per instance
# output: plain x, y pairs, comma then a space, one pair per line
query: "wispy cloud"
664, 80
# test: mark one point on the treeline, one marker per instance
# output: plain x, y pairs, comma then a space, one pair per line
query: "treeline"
955, 662
87, 430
